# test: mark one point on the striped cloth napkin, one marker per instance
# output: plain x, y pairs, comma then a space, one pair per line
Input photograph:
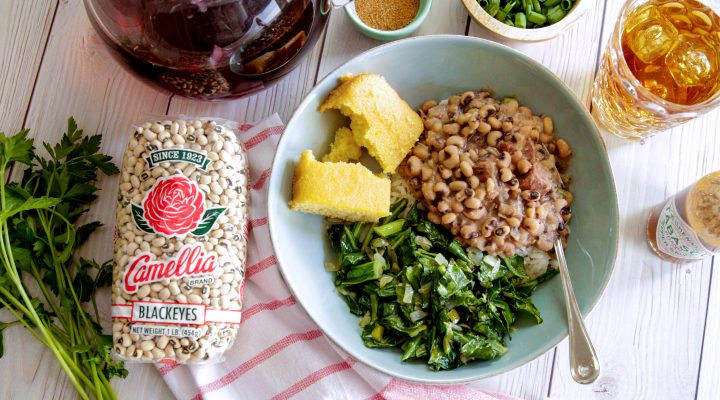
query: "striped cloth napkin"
280, 353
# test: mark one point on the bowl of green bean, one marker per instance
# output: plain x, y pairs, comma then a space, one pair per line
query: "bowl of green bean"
527, 20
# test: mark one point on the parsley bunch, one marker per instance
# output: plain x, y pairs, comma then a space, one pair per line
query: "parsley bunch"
39, 234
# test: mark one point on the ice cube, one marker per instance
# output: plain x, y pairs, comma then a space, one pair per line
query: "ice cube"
691, 61
657, 79
652, 38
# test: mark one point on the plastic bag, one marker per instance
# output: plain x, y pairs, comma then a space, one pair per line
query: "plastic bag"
180, 245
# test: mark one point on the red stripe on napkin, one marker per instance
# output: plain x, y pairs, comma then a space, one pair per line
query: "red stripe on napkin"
255, 361
254, 223
255, 268
273, 305
314, 377
261, 180
262, 136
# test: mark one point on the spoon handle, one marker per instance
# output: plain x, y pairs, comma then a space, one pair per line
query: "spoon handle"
584, 364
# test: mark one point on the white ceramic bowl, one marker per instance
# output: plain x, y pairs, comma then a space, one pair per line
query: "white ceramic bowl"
442, 66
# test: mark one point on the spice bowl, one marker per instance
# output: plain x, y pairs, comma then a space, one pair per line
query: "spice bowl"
423, 10
574, 14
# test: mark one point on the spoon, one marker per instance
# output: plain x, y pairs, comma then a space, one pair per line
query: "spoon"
584, 364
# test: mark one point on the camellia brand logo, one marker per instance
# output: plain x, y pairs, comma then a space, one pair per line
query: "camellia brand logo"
175, 206
192, 260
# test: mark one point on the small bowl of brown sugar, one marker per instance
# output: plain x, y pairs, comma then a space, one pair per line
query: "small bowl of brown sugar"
388, 19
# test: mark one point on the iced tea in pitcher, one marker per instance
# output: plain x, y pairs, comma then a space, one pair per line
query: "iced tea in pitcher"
665, 70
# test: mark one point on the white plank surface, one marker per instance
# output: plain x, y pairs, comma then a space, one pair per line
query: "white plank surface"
657, 328
24, 29
708, 383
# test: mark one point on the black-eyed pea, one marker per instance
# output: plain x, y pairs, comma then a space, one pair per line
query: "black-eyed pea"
505, 174
513, 222
452, 161
451, 129
530, 195
563, 148
466, 168
473, 181
475, 215
542, 211
545, 138
457, 141
533, 226
415, 165
428, 192
530, 212
523, 166
488, 227
494, 123
448, 218
421, 151
472, 203
446, 173
548, 126
486, 111
535, 134
506, 126
434, 217
456, 206
492, 138
443, 206
484, 128
441, 187
426, 173
428, 105
544, 243
457, 186
469, 231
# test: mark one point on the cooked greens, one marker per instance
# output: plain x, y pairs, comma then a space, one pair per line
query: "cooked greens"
417, 289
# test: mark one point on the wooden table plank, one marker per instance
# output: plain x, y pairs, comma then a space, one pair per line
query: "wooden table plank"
103, 98
24, 30
708, 384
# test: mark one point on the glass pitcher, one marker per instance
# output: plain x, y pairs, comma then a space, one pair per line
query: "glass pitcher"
209, 49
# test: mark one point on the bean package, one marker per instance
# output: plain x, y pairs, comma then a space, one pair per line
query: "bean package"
180, 247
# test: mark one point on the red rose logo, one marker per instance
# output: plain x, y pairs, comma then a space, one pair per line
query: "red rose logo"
174, 206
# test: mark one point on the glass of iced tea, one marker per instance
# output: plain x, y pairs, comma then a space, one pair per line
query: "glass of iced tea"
661, 67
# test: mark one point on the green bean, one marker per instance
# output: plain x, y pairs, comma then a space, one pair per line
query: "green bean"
527, 13
550, 3
536, 5
536, 18
555, 14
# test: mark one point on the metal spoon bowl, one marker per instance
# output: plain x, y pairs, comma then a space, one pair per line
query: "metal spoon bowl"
584, 364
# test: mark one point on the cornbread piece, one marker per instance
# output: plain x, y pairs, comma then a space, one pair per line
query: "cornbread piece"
381, 121
343, 148
340, 190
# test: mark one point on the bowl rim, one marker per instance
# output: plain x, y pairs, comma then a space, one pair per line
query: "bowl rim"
423, 11
276, 167
579, 8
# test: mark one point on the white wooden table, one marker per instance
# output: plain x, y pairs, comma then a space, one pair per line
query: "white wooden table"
657, 328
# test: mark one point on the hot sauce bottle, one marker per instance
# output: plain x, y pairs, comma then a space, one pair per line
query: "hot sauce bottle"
686, 227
